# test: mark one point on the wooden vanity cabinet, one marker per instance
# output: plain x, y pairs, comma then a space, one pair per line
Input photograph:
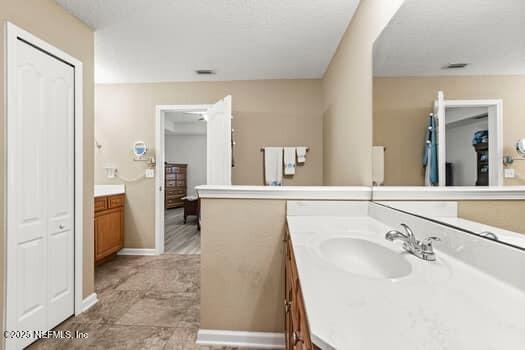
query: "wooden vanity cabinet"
297, 333
109, 226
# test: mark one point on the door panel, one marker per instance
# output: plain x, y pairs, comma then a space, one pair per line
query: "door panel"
61, 290
218, 143
32, 276
30, 160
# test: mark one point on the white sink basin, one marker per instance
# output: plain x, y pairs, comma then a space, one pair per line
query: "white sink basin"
365, 258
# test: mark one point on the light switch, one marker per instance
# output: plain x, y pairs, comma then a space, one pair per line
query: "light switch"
150, 173
510, 173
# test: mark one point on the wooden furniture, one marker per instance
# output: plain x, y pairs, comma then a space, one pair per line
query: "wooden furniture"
192, 208
482, 157
297, 333
109, 226
174, 185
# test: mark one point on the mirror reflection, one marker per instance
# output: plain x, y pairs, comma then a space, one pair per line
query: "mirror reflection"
494, 220
449, 81
449, 110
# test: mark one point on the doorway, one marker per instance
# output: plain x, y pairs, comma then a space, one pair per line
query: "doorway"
479, 122
194, 148
467, 152
44, 185
184, 170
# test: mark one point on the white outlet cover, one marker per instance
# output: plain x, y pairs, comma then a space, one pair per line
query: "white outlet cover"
150, 173
510, 173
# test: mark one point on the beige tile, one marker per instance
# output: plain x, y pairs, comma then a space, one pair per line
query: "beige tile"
110, 307
163, 310
133, 337
142, 280
175, 262
177, 281
93, 331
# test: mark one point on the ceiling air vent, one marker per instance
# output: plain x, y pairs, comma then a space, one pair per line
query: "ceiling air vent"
455, 66
205, 72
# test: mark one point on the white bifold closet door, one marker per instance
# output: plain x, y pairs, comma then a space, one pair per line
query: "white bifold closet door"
40, 211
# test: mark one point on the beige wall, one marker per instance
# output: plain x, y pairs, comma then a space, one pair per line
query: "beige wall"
504, 214
48, 21
401, 107
271, 112
242, 264
347, 89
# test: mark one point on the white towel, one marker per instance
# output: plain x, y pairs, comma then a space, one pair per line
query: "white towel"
301, 154
378, 165
289, 160
273, 166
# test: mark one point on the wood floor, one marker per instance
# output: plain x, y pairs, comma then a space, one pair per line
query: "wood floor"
180, 238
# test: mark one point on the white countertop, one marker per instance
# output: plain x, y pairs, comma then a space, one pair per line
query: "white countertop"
286, 192
441, 305
109, 190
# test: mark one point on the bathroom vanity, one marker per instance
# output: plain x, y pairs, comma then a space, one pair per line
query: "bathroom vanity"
109, 221
347, 287
297, 333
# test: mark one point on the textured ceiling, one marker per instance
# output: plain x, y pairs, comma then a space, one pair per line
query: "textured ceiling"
424, 36
166, 40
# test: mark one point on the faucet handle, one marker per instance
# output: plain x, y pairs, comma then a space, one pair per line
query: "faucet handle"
410, 233
426, 244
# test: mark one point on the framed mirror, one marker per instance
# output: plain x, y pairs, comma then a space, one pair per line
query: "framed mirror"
449, 87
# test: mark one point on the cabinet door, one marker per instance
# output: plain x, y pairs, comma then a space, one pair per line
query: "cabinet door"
108, 233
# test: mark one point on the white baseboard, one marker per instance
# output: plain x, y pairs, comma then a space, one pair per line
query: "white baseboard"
89, 301
137, 251
260, 340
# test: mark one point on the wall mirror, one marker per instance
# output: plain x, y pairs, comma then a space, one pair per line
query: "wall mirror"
449, 87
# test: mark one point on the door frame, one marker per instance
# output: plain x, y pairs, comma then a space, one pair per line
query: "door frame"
495, 122
159, 166
12, 34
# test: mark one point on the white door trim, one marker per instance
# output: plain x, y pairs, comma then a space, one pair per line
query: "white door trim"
495, 137
159, 167
12, 34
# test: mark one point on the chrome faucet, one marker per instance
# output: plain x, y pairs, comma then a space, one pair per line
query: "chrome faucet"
421, 249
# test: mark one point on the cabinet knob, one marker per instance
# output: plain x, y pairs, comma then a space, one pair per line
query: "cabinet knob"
61, 226
296, 338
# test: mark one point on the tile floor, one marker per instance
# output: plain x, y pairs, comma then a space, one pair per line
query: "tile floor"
144, 303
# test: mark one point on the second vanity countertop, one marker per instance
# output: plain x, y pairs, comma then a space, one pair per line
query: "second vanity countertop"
445, 305
109, 190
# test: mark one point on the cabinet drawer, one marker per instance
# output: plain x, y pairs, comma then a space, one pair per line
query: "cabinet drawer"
116, 201
173, 201
174, 192
101, 203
